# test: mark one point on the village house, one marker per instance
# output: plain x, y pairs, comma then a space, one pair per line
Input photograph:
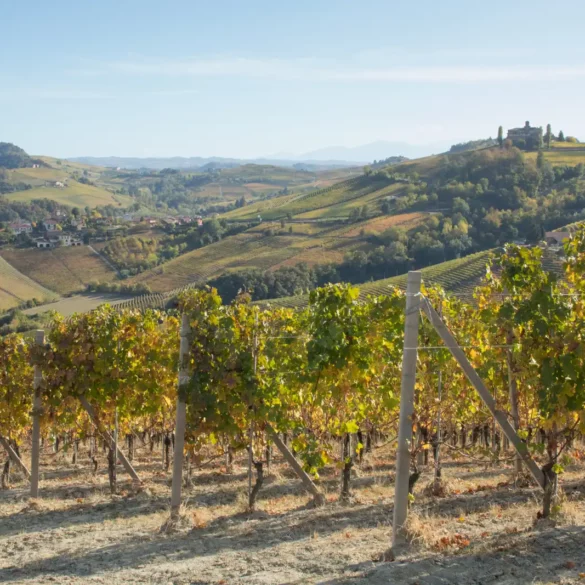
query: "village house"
50, 224
526, 137
57, 238
78, 224
556, 238
20, 227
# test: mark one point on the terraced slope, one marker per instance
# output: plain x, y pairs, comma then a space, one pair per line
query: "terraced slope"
335, 201
16, 288
63, 270
459, 277
269, 246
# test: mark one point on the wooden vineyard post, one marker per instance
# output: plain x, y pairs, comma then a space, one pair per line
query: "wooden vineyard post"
109, 439
14, 456
513, 392
318, 497
36, 424
499, 416
181, 420
409, 357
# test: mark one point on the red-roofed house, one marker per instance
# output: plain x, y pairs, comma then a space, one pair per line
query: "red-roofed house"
20, 227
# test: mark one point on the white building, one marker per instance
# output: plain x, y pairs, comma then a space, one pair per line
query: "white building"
20, 227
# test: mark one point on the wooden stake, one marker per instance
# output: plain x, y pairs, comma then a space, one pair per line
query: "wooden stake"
108, 439
36, 426
499, 415
15, 458
296, 466
409, 358
513, 392
180, 420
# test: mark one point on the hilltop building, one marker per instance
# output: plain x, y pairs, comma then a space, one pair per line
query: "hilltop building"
527, 137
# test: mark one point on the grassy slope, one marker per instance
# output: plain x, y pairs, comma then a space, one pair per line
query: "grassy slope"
16, 288
311, 243
74, 195
63, 270
338, 200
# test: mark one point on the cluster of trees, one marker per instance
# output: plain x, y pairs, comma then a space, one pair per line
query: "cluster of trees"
473, 145
14, 157
134, 254
283, 282
15, 321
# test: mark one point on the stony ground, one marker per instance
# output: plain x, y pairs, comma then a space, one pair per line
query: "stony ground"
484, 531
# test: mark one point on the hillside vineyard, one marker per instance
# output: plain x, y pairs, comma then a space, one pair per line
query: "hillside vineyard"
321, 379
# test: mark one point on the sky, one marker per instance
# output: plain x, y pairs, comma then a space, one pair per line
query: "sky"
257, 78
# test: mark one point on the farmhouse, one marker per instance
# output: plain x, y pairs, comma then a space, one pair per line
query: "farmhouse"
50, 224
526, 137
57, 238
20, 227
556, 238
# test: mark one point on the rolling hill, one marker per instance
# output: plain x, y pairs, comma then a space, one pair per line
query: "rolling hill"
269, 246
444, 205
61, 270
17, 288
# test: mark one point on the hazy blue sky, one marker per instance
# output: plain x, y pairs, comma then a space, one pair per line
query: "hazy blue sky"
252, 78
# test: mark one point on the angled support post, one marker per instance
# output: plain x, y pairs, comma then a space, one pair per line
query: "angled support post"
15, 458
310, 486
36, 426
181, 420
409, 358
499, 416
109, 439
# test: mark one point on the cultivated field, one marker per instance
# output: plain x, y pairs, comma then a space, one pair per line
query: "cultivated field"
254, 249
16, 288
63, 270
73, 195
79, 304
379, 225
484, 530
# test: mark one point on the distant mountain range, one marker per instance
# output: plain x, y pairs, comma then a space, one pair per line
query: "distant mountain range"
368, 153
324, 158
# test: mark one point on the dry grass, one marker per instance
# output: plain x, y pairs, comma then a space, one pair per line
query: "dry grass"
78, 533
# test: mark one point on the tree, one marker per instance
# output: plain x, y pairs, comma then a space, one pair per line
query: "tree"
540, 160
548, 135
501, 136
561, 136
75, 211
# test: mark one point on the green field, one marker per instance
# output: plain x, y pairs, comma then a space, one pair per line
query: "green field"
73, 195
16, 288
63, 270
